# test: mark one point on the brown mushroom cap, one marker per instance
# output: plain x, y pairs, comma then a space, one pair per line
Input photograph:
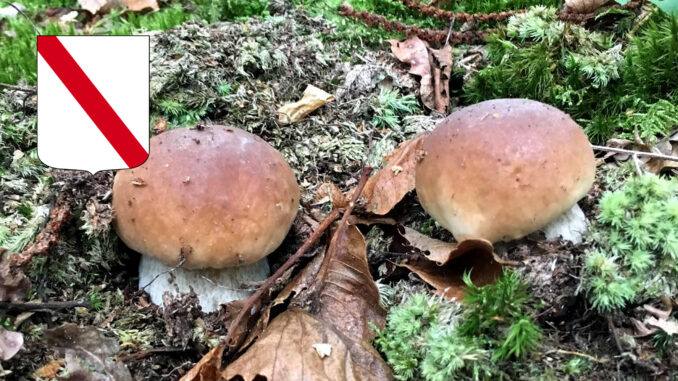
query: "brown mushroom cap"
504, 168
218, 196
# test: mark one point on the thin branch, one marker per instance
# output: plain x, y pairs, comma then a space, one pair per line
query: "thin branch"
18, 88
584, 355
148, 352
250, 307
42, 306
632, 152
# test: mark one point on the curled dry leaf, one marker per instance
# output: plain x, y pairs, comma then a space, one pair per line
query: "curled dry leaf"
439, 251
89, 354
432, 65
391, 183
103, 6
584, 6
208, 368
344, 301
445, 264
312, 99
10, 343
329, 192
14, 283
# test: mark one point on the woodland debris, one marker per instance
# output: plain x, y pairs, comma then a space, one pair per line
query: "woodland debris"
448, 278
391, 183
434, 66
103, 6
347, 302
14, 284
312, 99
89, 354
584, 6
439, 251
47, 238
10, 343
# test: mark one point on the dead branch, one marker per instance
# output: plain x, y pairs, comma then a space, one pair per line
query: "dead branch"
47, 238
43, 306
430, 35
18, 88
584, 355
637, 153
429, 10
254, 304
143, 354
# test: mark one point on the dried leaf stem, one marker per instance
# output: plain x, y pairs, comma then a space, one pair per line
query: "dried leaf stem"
43, 306
250, 306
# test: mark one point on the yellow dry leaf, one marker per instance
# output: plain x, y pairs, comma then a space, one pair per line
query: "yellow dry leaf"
312, 99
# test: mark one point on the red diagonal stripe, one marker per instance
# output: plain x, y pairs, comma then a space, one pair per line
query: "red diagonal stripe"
91, 100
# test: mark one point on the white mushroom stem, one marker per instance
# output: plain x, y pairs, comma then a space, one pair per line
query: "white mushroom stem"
213, 287
570, 226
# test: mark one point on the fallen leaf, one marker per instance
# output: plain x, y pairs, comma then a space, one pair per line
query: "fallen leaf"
89, 354
439, 251
14, 283
584, 6
312, 99
670, 326
160, 126
208, 368
343, 300
448, 278
667, 146
434, 66
103, 6
10, 343
441, 68
328, 192
49, 370
387, 187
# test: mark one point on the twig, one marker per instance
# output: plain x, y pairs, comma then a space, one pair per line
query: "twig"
432, 11
38, 306
182, 260
148, 352
636, 164
19, 88
250, 304
47, 238
584, 355
632, 152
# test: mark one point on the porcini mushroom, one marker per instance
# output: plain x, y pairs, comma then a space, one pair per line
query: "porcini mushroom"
501, 169
204, 211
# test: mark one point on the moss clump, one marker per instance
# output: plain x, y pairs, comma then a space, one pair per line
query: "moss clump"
588, 74
432, 339
635, 245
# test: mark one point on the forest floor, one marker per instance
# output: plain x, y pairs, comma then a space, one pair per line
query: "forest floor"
239, 73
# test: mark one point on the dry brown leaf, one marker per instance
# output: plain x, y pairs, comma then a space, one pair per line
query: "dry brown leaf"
439, 251
312, 99
584, 6
432, 65
329, 192
667, 146
89, 354
10, 343
103, 6
344, 301
208, 368
391, 183
447, 279
49, 370
14, 283
160, 126
441, 67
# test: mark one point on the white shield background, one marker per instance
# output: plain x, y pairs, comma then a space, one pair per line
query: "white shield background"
118, 66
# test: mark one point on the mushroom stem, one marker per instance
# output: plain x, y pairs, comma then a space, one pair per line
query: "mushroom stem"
213, 286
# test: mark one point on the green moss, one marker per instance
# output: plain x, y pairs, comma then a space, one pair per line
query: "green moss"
429, 338
635, 254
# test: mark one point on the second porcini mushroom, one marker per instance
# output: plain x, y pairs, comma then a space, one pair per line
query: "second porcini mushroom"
204, 211
501, 169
